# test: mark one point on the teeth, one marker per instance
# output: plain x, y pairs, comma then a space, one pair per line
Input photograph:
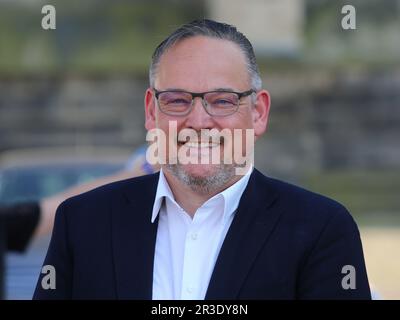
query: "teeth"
201, 145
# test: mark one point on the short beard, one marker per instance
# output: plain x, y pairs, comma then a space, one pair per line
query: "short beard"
204, 185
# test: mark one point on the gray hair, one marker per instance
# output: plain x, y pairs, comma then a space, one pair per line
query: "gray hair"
213, 29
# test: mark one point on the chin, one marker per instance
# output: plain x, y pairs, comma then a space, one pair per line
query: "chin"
203, 178
200, 170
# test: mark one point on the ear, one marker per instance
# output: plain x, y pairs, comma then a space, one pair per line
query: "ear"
261, 112
150, 109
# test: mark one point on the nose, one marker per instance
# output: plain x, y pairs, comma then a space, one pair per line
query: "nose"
198, 118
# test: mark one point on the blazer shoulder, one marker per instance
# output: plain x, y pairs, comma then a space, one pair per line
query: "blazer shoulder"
100, 198
308, 205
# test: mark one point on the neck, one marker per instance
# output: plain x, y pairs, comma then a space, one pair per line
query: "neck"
190, 200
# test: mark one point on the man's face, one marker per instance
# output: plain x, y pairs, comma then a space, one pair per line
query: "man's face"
201, 64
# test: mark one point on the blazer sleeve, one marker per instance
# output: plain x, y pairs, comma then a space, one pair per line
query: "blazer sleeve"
59, 259
335, 267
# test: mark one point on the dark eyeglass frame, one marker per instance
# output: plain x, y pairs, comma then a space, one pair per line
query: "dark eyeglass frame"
203, 102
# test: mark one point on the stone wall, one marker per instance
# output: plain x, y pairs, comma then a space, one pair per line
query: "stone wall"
70, 111
318, 121
334, 121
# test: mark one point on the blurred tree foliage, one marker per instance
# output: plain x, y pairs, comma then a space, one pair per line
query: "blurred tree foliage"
92, 36
100, 36
375, 42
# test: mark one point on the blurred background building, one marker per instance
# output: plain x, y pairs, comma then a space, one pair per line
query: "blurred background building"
273, 27
335, 117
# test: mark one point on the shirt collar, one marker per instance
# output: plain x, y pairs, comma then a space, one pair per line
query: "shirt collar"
233, 194
230, 195
163, 191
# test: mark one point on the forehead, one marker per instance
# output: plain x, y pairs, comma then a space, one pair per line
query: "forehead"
203, 63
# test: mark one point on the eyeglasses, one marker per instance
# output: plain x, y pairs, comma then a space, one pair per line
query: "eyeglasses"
216, 103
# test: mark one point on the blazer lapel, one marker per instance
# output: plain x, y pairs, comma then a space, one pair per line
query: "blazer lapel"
134, 238
254, 221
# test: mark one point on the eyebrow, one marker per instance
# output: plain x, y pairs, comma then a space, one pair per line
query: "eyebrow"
216, 89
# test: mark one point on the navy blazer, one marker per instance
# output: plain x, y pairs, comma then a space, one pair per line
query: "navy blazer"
284, 243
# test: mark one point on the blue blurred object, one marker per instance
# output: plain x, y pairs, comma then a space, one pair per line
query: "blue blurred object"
34, 182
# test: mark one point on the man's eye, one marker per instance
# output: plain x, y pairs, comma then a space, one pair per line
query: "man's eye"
223, 102
178, 101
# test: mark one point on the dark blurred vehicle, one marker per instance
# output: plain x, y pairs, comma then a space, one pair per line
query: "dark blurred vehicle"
34, 174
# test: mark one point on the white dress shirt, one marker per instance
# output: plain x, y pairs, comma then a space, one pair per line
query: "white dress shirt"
187, 249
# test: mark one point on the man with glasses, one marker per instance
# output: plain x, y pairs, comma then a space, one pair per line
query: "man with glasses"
198, 229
